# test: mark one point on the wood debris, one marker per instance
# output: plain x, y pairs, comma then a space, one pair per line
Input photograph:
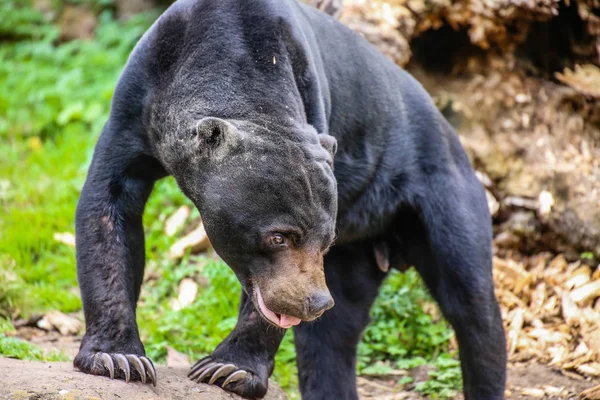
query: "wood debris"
591, 394
551, 311
584, 78
176, 222
66, 238
56, 320
195, 242
186, 294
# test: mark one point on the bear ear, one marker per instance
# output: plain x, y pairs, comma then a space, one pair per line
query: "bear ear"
329, 143
214, 133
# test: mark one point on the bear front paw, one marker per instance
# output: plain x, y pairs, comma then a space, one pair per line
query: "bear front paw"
229, 376
130, 367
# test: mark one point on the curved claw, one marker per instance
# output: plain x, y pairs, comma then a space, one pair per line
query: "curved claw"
201, 370
208, 370
236, 376
199, 364
138, 366
221, 372
149, 369
108, 363
123, 365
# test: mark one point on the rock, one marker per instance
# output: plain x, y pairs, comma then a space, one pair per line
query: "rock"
176, 359
44, 380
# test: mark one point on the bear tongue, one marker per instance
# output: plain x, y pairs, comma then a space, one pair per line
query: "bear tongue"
287, 321
281, 320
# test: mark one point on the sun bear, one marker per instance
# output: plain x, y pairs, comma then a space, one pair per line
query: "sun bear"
316, 164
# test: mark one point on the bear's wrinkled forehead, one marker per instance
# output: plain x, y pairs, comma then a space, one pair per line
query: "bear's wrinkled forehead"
278, 180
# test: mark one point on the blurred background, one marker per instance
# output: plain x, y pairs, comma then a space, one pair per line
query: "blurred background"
518, 79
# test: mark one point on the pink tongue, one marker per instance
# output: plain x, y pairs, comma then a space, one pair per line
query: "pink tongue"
285, 321
281, 320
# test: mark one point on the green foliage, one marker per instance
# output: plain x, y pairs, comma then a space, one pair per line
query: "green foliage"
16, 348
54, 99
19, 20
445, 380
588, 255
401, 328
73, 81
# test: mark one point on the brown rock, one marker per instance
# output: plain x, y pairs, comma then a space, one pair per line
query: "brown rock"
30, 379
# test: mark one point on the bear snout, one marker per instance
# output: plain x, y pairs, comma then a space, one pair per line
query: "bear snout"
294, 299
317, 303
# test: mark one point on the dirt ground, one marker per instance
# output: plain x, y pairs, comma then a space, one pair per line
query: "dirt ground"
59, 380
525, 380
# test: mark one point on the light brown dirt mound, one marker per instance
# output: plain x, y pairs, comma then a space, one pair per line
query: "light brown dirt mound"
45, 380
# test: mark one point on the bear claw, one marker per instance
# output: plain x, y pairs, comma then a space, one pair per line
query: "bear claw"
142, 365
205, 369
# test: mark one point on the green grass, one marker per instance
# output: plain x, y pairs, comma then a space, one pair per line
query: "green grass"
16, 348
51, 113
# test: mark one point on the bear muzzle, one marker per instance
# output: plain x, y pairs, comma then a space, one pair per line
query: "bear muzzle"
285, 313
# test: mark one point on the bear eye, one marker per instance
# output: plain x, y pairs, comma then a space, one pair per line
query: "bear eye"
278, 240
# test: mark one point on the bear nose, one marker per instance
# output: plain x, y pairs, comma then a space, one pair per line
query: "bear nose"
318, 303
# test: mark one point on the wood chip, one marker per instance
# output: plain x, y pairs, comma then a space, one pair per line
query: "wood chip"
570, 311
591, 394
196, 241
65, 238
533, 392
584, 78
589, 369
579, 277
587, 292
175, 222
513, 331
65, 324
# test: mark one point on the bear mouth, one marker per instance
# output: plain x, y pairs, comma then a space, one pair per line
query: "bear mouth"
279, 320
